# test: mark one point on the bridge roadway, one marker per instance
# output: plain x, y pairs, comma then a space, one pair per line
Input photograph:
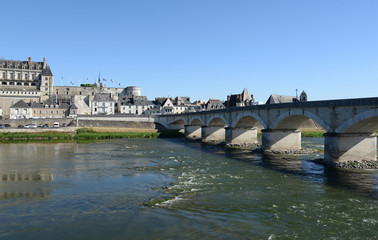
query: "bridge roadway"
350, 126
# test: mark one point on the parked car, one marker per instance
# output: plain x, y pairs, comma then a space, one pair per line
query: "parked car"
26, 126
44, 126
64, 125
2, 126
7, 125
33, 125
20, 126
40, 125
56, 124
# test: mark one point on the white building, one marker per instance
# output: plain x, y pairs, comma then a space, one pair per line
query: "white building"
20, 110
102, 104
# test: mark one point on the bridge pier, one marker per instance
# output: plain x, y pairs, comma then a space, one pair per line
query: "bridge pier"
342, 147
281, 139
241, 135
192, 131
212, 133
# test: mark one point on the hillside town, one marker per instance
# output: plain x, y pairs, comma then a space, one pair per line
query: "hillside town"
27, 91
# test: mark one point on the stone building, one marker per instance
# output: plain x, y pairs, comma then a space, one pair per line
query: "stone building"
274, 98
24, 80
240, 100
103, 104
20, 110
52, 110
213, 104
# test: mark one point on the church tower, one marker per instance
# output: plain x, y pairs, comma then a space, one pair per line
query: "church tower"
303, 97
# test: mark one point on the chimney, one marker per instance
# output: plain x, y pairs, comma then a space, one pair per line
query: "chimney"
29, 61
44, 63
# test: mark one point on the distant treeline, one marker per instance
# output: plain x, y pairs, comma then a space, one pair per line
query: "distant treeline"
86, 85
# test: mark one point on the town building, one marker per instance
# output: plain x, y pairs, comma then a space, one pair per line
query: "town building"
274, 98
52, 110
24, 80
103, 104
240, 100
20, 110
213, 104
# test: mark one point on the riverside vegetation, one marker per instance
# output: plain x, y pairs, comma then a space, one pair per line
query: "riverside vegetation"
83, 134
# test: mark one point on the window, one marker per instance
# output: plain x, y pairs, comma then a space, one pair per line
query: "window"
46, 84
103, 104
95, 103
19, 76
26, 76
129, 111
33, 76
12, 76
111, 104
4, 75
46, 78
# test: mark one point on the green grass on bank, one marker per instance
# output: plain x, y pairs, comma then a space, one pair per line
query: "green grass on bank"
88, 134
20, 136
83, 134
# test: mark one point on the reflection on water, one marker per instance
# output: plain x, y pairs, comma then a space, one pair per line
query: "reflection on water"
162, 189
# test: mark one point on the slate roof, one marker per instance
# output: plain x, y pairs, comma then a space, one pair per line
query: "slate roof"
273, 99
17, 64
73, 106
43, 105
102, 97
47, 71
20, 104
245, 95
185, 100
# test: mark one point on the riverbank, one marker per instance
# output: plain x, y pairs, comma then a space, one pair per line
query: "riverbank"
18, 135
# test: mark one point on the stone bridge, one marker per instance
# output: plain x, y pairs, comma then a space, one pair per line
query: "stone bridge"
350, 126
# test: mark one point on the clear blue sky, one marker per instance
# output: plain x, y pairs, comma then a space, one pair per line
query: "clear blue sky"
202, 48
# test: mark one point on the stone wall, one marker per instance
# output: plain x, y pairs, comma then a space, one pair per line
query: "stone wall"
125, 124
49, 121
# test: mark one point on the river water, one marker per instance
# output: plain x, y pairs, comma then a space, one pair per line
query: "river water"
177, 189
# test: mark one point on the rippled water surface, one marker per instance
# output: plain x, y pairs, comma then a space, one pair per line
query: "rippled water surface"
176, 189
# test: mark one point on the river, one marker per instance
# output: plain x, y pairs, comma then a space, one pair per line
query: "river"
178, 189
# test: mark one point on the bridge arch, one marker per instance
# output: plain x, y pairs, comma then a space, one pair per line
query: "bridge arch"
294, 118
196, 122
364, 122
180, 121
248, 120
218, 121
